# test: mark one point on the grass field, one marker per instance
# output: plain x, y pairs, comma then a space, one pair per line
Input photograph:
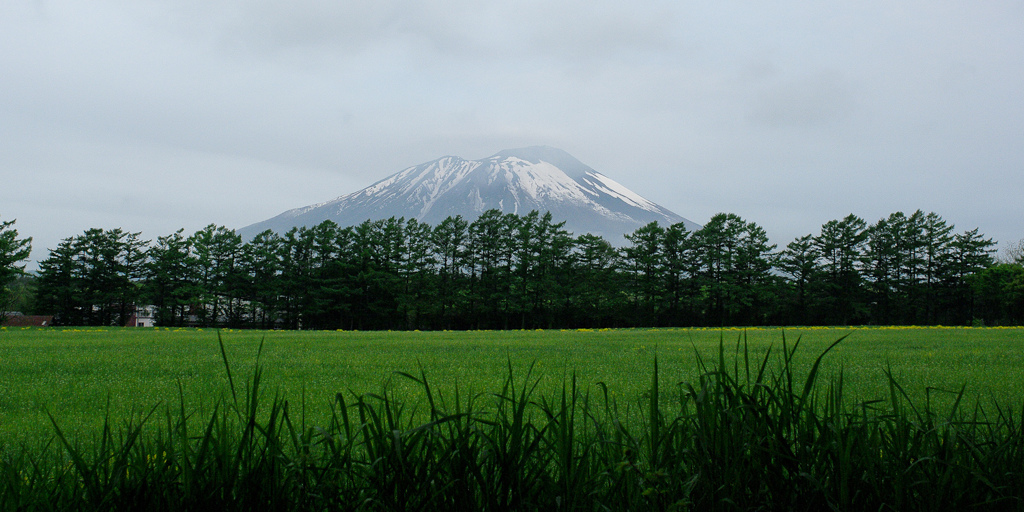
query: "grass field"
660, 431
78, 375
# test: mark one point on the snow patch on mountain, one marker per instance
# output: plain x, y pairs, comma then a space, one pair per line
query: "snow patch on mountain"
613, 188
542, 181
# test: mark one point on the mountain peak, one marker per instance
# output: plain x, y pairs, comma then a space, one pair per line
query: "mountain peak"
554, 156
539, 178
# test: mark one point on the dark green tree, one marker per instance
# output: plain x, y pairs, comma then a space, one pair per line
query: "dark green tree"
755, 303
841, 245
907, 263
451, 247
681, 268
261, 264
22, 293
543, 249
644, 263
910, 245
296, 263
334, 273
1000, 294
112, 262
735, 271
882, 261
525, 279
490, 256
94, 278
220, 274
13, 250
378, 247
596, 285
171, 281
936, 269
61, 285
716, 244
799, 262
418, 297
970, 254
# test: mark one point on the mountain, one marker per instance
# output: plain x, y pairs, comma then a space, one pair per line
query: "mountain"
514, 181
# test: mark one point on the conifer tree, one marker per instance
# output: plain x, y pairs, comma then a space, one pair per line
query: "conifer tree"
13, 250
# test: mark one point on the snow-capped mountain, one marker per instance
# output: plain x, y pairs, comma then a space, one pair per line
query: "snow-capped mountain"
514, 181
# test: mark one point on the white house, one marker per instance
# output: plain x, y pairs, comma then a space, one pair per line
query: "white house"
143, 317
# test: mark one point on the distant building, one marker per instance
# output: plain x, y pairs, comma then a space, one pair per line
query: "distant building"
143, 317
16, 319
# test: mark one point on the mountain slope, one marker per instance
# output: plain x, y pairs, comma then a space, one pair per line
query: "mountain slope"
513, 181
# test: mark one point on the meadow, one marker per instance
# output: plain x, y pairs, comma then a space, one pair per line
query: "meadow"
81, 376
670, 419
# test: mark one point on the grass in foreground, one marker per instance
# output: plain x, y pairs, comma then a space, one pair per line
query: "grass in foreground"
745, 434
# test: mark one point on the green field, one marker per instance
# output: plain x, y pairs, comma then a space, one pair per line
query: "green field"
77, 374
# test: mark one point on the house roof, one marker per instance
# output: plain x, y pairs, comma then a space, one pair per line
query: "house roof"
29, 321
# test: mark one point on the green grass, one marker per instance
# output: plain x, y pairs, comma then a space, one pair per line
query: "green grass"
748, 429
78, 375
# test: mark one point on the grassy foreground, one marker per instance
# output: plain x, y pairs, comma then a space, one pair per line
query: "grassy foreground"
655, 420
748, 433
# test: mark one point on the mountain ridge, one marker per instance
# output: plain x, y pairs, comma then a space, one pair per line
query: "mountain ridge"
517, 181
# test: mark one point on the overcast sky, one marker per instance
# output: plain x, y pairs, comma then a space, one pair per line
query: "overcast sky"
155, 115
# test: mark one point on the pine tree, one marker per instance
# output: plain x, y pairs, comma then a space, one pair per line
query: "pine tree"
13, 250
644, 262
170, 279
800, 263
841, 245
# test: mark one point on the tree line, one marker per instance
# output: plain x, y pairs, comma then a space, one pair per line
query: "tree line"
509, 271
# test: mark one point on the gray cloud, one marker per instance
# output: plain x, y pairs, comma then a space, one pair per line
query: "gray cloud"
155, 115
809, 102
